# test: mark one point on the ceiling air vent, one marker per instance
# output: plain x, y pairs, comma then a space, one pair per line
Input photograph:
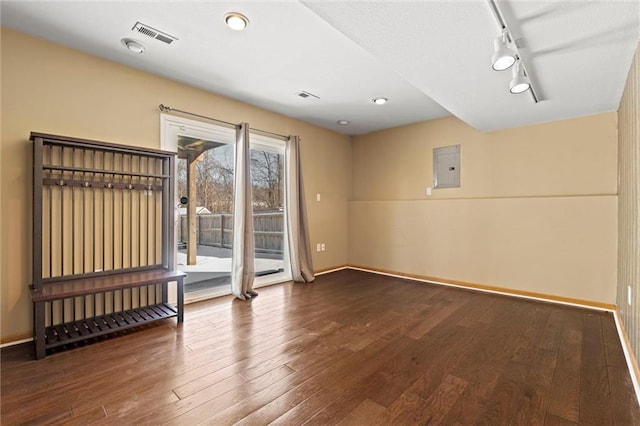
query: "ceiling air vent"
153, 33
304, 94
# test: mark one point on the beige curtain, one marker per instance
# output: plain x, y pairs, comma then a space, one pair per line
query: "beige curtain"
242, 262
296, 211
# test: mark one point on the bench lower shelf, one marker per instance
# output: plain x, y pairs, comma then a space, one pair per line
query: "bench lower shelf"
76, 331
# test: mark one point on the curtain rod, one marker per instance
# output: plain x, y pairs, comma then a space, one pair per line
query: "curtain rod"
163, 107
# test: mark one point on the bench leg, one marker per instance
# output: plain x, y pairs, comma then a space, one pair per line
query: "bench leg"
165, 292
181, 300
38, 329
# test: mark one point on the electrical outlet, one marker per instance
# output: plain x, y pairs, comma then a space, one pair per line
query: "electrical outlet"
318, 196
629, 295
428, 191
322, 246
318, 247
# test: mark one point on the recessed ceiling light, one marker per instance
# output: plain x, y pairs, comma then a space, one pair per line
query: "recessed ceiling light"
379, 101
342, 122
236, 21
133, 45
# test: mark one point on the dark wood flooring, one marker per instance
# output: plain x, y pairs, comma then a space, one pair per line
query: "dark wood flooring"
352, 349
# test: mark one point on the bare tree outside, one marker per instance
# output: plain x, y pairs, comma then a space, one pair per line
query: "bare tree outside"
267, 169
214, 179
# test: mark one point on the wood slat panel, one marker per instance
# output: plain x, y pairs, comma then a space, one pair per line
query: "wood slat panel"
629, 207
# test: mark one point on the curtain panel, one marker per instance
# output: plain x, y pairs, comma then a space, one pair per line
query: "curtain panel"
296, 211
242, 263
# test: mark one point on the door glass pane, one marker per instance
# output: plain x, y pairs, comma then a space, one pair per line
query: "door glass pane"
212, 232
267, 179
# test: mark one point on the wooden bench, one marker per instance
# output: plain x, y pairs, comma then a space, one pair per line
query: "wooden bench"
111, 302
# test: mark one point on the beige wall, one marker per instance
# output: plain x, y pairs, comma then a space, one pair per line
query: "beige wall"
629, 205
53, 89
569, 157
536, 210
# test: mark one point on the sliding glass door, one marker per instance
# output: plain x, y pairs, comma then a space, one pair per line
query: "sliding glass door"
204, 185
267, 181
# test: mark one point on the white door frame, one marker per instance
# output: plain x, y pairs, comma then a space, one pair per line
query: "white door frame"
170, 128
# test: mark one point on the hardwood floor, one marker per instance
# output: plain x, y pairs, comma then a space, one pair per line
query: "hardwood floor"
351, 349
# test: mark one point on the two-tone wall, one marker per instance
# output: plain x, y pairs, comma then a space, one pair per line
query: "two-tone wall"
629, 207
536, 211
52, 89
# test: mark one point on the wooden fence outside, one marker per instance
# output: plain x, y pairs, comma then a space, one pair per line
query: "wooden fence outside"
216, 230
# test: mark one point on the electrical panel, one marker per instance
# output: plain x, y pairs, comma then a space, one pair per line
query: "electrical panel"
446, 167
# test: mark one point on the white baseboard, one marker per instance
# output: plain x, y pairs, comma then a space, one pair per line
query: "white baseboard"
16, 342
339, 268
628, 356
484, 290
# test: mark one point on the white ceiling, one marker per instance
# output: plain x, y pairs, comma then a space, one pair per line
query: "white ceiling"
431, 59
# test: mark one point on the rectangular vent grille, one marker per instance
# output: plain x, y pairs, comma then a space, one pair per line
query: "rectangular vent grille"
304, 94
166, 39
153, 33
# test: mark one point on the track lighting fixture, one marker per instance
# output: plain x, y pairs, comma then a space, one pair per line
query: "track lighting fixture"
503, 57
506, 55
520, 82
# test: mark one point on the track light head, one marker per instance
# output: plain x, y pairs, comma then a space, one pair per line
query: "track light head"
520, 82
503, 56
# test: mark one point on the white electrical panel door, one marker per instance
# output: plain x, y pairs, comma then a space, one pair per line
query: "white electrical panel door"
446, 167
